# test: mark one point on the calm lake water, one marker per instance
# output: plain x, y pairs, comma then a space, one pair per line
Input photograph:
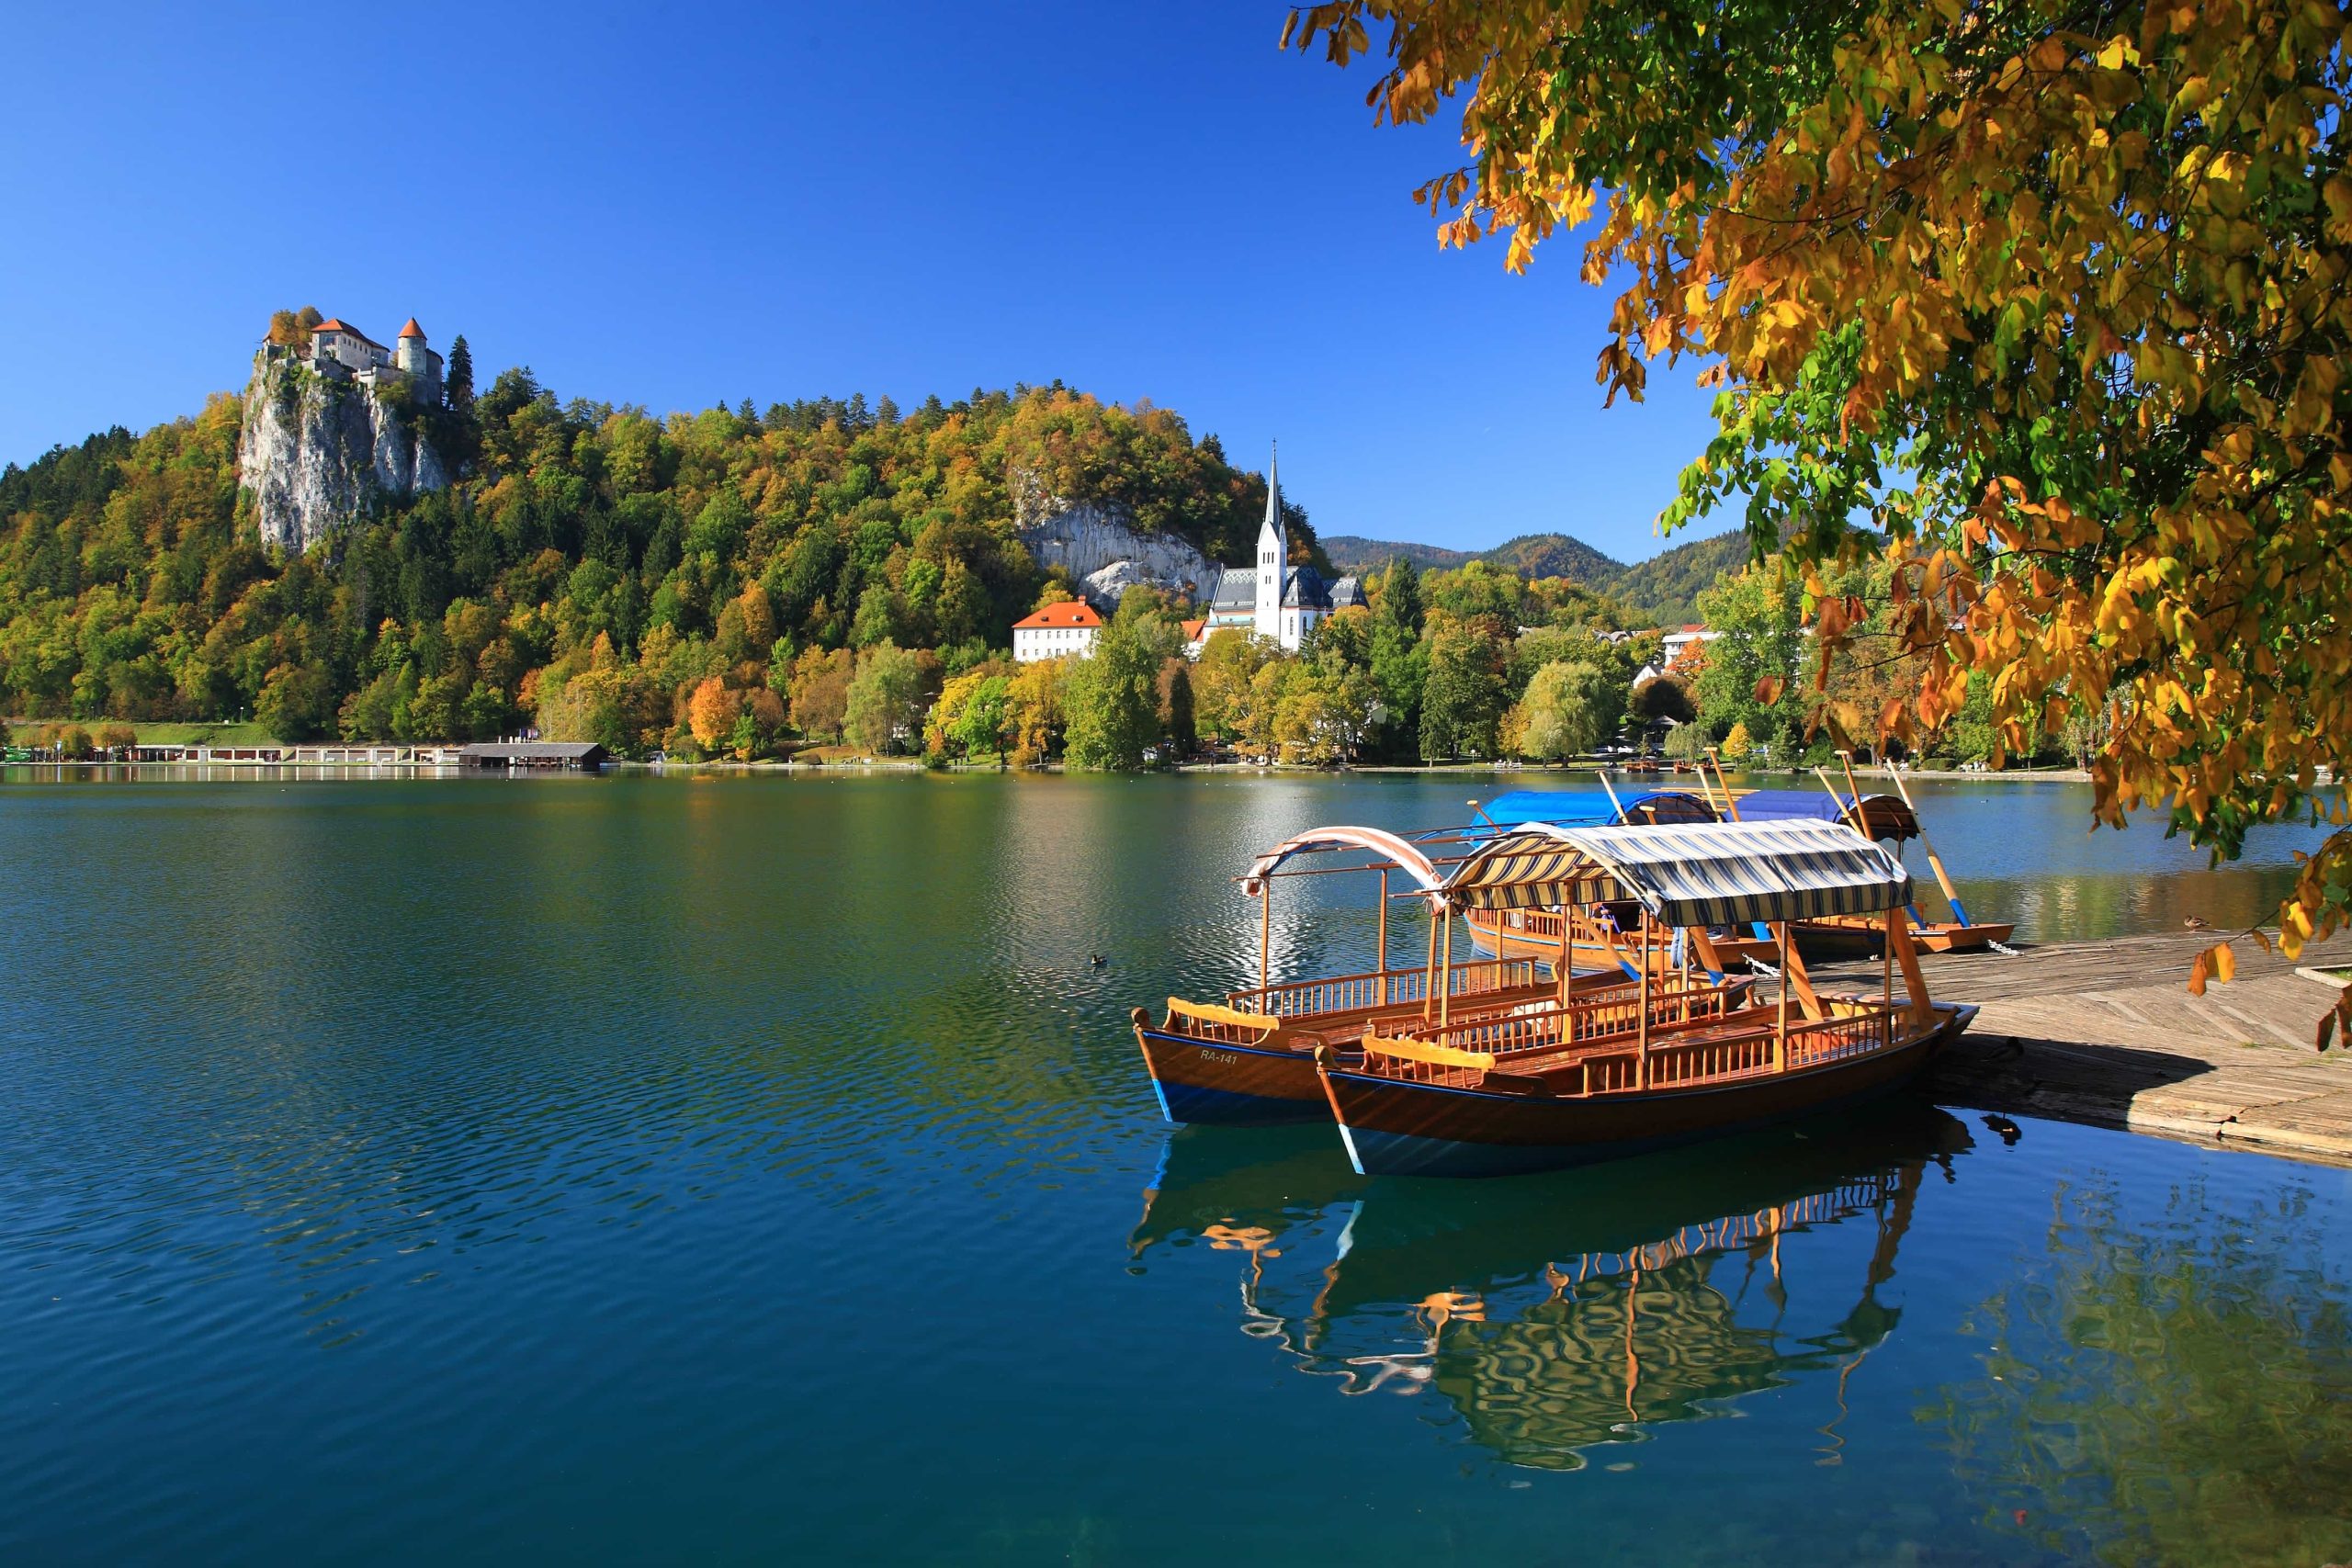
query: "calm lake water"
637, 1169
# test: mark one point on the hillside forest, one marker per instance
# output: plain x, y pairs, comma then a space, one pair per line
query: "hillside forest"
751, 584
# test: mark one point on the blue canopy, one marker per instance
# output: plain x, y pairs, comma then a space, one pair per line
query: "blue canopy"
1790, 805
1559, 806
1570, 808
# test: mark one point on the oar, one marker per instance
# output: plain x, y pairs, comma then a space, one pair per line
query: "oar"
1857, 820
1614, 804
1729, 803
1943, 877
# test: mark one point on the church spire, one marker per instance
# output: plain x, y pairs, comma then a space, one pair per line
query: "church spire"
1274, 489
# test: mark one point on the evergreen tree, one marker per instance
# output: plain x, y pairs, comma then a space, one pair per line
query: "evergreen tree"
457, 381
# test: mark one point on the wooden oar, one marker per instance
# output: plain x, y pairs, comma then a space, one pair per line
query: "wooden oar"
1730, 805
1943, 877
1860, 822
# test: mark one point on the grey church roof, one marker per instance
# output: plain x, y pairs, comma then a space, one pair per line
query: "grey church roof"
1347, 594
1302, 590
1235, 588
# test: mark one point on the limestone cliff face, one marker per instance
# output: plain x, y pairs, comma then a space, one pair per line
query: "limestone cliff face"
319, 452
1101, 548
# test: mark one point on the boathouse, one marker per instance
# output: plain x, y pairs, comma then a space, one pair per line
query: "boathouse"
577, 756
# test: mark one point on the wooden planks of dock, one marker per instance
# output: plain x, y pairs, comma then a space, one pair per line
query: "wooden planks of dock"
2107, 1033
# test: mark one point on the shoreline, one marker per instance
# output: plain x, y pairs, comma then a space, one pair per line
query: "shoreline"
1587, 774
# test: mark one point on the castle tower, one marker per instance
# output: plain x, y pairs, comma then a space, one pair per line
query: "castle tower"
1274, 558
410, 354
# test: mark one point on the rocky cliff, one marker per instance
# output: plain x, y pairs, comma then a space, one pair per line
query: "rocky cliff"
1100, 547
319, 451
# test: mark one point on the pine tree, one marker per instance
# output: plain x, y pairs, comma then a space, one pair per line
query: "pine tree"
457, 384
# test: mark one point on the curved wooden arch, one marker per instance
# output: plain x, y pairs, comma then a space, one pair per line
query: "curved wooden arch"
1376, 840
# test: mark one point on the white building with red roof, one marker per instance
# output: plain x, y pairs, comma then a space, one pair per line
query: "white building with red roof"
340, 349
1066, 630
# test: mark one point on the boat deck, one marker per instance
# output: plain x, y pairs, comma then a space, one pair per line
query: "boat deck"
2106, 1033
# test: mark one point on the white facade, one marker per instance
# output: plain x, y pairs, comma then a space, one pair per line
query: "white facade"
1058, 631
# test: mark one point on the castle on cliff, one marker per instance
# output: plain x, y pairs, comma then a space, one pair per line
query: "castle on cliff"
331, 428
342, 351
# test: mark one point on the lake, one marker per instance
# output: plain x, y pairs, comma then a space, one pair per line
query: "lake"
634, 1168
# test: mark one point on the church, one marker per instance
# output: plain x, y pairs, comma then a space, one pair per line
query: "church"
1270, 598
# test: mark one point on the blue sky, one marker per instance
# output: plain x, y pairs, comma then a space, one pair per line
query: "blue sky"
672, 205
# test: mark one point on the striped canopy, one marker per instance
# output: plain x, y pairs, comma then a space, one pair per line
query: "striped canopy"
1687, 874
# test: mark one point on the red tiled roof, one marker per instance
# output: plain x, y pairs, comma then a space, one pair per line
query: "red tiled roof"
412, 330
1076, 613
1192, 629
337, 324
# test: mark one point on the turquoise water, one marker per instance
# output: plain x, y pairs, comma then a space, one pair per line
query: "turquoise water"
725, 1168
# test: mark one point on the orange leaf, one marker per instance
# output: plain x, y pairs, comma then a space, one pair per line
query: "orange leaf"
2198, 971
1767, 690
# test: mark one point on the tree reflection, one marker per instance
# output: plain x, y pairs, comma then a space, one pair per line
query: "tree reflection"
2195, 1409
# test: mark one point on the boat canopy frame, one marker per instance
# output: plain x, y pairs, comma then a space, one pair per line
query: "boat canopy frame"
1700, 874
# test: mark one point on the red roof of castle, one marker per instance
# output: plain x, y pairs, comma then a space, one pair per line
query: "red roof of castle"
1074, 612
412, 330
337, 324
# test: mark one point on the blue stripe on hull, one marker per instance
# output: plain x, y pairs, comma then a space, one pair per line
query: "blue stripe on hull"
1182, 1104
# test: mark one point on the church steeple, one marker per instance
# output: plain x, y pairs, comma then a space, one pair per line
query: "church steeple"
1274, 554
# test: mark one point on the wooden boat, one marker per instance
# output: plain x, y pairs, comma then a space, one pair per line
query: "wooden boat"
1606, 930
1570, 1082
1250, 1058
1884, 818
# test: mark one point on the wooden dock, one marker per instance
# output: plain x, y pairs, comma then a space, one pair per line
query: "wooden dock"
2106, 1033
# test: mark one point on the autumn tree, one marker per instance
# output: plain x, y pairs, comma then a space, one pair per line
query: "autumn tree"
2053, 298
1562, 714
710, 713
819, 692
889, 696
1033, 709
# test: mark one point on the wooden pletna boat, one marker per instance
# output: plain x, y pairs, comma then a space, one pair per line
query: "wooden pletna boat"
1250, 1059
1587, 1078
1604, 934
1884, 818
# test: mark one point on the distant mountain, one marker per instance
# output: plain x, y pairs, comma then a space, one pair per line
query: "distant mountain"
1535, 555
1666, 586
1353, 555
1556, 555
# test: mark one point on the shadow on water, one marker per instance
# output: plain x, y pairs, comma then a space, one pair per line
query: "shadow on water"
1560, 1314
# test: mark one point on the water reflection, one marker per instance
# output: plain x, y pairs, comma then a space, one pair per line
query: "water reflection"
1560, 1314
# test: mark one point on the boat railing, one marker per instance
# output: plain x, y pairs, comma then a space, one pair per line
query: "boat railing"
1869, 1027
1392, 987
1593, 1016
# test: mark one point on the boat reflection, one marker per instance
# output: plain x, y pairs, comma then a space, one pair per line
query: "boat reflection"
1557, 1314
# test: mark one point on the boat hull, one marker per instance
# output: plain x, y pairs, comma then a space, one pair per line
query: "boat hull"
1208, 1083
1852, 934
1397, 1128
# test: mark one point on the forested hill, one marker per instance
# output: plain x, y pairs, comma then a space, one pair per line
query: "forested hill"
1529, 555
578, 536
1664, 588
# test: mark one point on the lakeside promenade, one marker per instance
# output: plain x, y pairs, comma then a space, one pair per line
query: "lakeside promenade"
2107, 1033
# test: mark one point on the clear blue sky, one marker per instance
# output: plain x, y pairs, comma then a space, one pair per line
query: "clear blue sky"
672, 205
